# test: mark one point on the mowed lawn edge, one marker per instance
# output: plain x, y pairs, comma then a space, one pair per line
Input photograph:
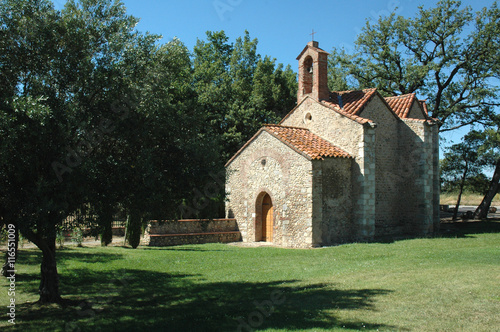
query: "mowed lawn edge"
436, 284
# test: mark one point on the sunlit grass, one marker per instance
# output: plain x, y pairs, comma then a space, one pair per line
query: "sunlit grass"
437, 284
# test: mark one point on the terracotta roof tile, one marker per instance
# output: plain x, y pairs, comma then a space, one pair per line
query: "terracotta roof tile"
310, 46
424, 107
401, 105
306, 142
356, 118
350, 102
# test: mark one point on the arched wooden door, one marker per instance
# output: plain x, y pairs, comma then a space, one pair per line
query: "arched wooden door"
267, 219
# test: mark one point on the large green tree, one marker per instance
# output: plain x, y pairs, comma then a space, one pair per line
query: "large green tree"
62, 73
447, 54
36, 128
95, 115
169, 150
491, 148
238, 89
462, 161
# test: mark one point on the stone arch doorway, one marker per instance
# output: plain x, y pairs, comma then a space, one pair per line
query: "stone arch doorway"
267, 218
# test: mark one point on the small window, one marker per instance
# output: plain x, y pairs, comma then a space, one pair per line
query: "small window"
308, 118
307, 75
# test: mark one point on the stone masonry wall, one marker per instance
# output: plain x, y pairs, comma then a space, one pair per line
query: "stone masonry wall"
417, 171
327, 124
356, 139
420, 172
183, 239
189, 226
333, 193
364, 187
436, 181
387, 183
267, 165
416, 112
191, 231
431, 180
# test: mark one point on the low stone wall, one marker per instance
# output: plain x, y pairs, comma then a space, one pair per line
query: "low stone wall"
192, 226
195, 238
191, 231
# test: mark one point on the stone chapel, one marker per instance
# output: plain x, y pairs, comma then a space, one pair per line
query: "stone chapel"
342, 166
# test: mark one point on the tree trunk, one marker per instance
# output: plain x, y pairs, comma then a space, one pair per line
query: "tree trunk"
10, 264
462, 184
134, 228
49, 283
106, 223
483, 208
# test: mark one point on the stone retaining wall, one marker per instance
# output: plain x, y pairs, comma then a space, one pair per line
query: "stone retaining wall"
196, 238
191, 231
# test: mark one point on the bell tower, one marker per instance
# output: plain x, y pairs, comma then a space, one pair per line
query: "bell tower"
313, 73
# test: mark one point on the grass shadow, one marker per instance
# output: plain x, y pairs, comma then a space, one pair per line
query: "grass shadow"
29, 281
181, 248
34, 256
463, 229
458, 229
139, 300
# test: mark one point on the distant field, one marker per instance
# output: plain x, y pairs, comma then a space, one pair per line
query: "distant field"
446, 283
467, 199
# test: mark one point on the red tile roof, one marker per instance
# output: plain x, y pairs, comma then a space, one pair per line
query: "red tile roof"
305, 142
351, 102
424, 107
401, 105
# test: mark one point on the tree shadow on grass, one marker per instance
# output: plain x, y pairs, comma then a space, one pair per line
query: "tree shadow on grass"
34, 256
181, 248
459, 229
28, 282
468, 228
138, 300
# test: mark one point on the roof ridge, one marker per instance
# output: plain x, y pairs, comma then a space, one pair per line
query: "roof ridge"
282, 126
354, 117
353, 104
396, 103
317, 49
406, 95
357, 118
356, 90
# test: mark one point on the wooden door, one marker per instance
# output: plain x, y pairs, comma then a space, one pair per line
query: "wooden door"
267, 219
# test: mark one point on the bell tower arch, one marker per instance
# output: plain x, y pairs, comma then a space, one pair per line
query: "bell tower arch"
313, 73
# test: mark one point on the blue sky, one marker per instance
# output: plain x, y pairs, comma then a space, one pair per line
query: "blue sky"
282, 27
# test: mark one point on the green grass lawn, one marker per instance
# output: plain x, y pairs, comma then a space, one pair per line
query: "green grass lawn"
449, 283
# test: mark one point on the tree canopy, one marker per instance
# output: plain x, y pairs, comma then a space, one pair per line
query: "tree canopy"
239, 90
96, 116
464, 161
447, 54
